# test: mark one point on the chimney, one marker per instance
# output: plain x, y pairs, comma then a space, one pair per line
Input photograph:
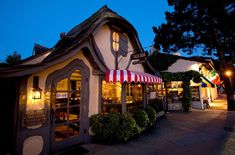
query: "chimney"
62, 35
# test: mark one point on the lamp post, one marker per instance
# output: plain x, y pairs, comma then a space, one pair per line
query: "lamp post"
229, 73
229, 90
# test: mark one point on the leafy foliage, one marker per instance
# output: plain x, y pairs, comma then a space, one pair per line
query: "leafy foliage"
200, 24
185, 77
127, 127
13, 58
181, 76
141, 118
115, 127
105, 126
162, 62
152, 115
156, 104
195, 23
187, 97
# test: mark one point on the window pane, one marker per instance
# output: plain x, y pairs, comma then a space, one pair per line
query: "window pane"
134, 96
62, 85
115, 46
61, 115
115, 37
75, 128
61, 132
174, 91
124, 45
111, 96
74, 113
75, 88
74, 98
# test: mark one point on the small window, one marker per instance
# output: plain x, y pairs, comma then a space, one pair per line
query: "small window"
119, 43
123, 45
115, 41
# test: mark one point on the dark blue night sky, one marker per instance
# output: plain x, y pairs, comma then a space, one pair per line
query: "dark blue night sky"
25, 22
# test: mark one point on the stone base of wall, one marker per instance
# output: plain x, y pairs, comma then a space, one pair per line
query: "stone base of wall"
174, 106
197, 105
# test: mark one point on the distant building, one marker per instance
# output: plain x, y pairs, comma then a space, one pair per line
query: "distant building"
206, 90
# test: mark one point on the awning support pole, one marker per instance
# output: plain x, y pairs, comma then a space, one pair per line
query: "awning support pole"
145, 99
123, 97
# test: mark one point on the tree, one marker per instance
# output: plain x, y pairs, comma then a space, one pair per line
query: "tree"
199, 23
13, 58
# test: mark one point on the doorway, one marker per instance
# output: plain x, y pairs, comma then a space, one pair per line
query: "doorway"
68, 105
69, 110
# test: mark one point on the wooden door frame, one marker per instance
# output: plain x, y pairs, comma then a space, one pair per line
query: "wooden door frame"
55, 77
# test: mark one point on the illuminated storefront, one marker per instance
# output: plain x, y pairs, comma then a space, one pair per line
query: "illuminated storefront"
123, 90
205, 91
88, 71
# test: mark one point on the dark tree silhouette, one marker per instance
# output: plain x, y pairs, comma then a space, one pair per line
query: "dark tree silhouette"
13, 58
200, 23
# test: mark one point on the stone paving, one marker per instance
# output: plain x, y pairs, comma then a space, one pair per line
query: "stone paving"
204, 132
199, 132
220, 103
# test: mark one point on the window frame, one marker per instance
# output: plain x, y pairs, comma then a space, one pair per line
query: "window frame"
123, 43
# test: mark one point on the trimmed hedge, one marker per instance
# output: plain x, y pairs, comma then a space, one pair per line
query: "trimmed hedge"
127, 127
105, 126
152, 115
141, 118
115, 127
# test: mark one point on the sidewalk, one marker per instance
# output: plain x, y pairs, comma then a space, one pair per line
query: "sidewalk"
198, 132
220, 103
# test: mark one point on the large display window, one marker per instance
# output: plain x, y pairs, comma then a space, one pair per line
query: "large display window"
175, 91
111, 97
134, 96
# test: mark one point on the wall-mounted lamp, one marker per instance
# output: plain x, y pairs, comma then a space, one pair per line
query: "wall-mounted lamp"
36, 90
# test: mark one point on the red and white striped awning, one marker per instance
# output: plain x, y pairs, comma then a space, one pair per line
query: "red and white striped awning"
130, 76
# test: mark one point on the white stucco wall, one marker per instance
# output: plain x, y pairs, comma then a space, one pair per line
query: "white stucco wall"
33, 145
102, 39
182, 65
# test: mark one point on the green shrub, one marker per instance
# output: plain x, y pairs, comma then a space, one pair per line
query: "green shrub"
105, 126
156, 104
152, 115
127, 127
155, 107
141, 118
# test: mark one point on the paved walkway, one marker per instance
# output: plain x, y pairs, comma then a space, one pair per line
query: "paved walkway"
220, 103
200, 132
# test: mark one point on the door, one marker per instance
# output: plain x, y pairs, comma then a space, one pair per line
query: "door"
66, 112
